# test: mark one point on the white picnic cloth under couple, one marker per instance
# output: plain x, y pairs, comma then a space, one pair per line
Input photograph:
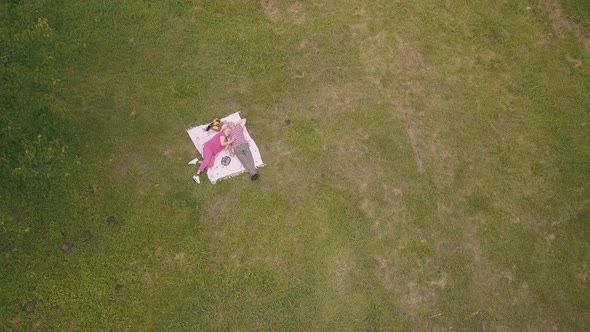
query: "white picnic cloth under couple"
222, 169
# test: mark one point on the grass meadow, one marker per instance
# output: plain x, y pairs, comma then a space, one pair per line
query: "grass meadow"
427, 166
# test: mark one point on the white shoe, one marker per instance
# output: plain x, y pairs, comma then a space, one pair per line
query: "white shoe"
197, 180
194, 161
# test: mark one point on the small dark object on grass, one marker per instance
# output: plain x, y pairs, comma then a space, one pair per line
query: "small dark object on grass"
29, 307
111, 220
66, 247
118, 287
287, 122
254, 177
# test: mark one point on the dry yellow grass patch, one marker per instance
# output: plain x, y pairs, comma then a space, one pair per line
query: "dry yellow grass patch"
563, 25
276, 12
415, 297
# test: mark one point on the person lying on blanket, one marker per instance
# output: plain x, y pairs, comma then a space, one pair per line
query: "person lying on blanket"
241, 148
213, 146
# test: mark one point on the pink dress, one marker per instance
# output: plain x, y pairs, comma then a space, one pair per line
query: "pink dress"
210, 150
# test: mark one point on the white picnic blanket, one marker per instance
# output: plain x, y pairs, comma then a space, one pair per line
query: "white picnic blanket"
220, 170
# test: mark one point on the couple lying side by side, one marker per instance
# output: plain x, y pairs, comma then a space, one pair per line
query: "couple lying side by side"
231, 138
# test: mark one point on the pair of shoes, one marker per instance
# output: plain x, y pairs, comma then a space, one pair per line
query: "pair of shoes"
196, 178
194, 161
254, 177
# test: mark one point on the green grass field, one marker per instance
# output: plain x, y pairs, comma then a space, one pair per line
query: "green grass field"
427, 166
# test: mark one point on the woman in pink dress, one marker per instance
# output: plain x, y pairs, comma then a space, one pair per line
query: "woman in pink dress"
213, 146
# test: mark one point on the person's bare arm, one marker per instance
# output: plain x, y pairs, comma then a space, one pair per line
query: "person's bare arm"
242, 122
225, 142
230, 149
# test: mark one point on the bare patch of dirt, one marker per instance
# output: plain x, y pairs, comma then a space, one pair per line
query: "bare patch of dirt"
416, 295
358, 29
441, 282
167, 152
339, 273
368, 208
298, 16
67, 248
274, 262
308, 44
295, 14
563, 25
36, 324
14, 322
179, 257
148, 280
413, 295
361, 12
409, 54
271, 9
583, 275
573, 61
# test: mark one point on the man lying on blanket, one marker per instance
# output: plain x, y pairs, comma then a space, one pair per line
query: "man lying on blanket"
240, 147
